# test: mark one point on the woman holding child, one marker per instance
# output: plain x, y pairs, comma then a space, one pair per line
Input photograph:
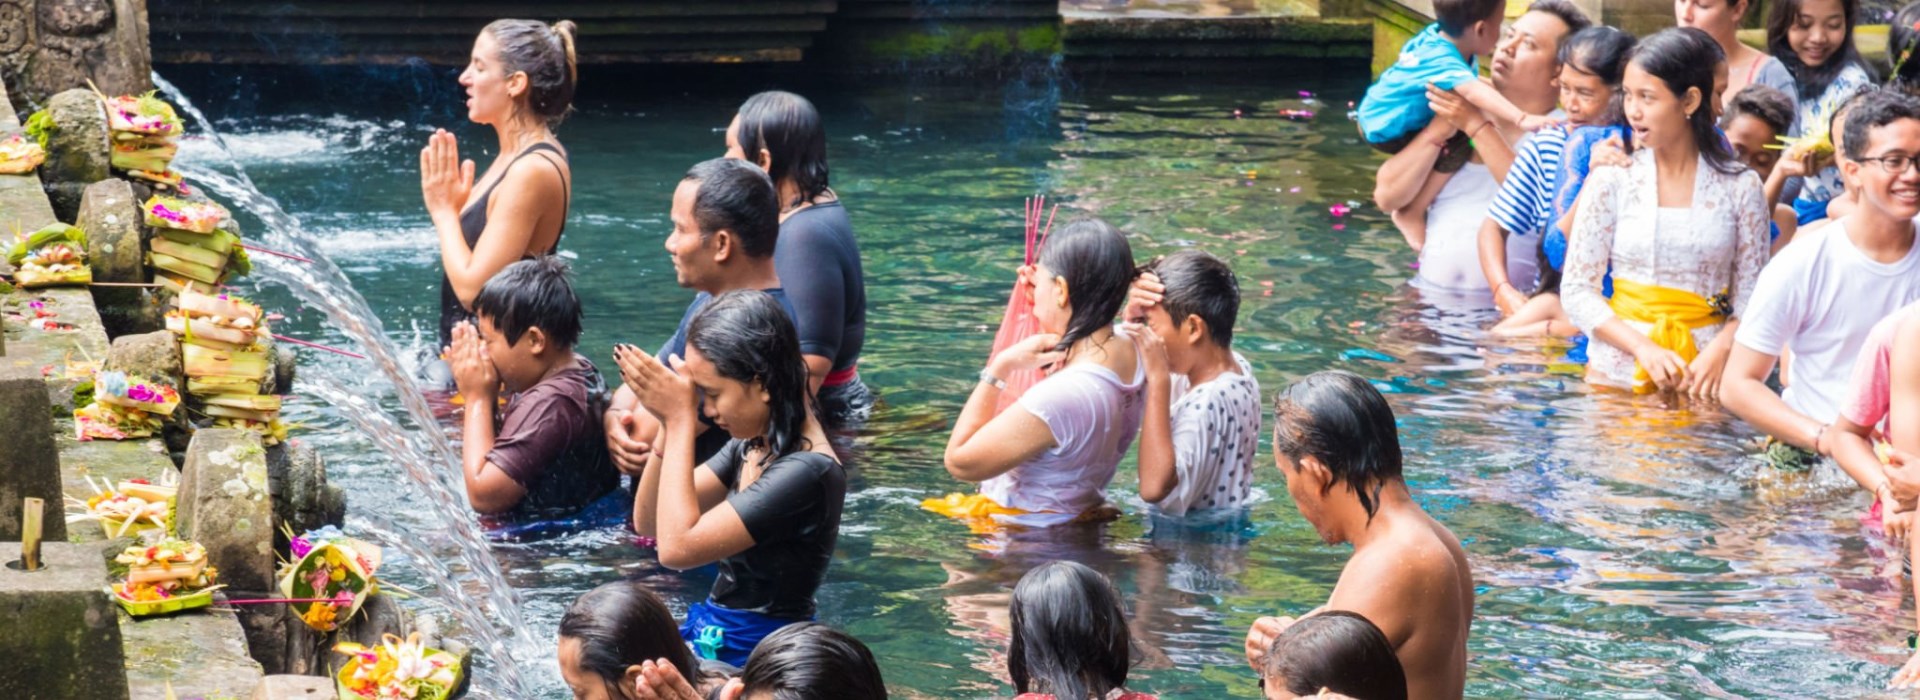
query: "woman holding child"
767, 507
1683, 228
519, 80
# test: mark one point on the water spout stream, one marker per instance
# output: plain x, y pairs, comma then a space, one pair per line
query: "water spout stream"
428, 461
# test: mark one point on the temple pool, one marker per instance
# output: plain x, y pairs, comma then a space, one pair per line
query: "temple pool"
1621, 549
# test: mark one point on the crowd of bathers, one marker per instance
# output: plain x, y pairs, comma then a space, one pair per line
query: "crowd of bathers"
1707, 221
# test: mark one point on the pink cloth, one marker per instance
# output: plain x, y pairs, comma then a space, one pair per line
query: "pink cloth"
1870, 391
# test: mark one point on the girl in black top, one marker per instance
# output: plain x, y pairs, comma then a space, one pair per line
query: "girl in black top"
767, 507
520, 80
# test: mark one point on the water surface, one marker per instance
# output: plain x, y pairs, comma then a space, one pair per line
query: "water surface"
1621, 549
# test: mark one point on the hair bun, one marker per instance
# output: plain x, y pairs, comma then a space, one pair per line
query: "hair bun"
566, 30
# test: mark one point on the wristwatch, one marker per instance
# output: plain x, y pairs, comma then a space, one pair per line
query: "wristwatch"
986, 377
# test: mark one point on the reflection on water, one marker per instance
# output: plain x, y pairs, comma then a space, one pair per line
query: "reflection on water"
1621, 549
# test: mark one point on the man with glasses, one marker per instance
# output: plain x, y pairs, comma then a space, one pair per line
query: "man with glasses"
1820, 296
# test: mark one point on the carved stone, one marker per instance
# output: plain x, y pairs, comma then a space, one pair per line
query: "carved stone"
47, 46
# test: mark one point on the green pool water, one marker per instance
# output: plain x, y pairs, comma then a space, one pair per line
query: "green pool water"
1620, 549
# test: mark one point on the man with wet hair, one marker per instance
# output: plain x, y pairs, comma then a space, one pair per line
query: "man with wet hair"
726, 220
1336, 443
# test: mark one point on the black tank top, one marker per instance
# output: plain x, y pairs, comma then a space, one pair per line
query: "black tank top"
474, 220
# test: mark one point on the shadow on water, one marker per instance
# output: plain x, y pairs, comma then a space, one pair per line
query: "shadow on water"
1620, 549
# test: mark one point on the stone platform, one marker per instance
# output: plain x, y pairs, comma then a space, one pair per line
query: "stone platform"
201, 654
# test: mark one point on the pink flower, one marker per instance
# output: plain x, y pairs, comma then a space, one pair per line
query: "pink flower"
1338, 209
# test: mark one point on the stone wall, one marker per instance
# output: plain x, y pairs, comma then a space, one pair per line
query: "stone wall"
236, 501
51, 45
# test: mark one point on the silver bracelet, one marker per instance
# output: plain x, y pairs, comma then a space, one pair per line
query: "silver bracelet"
987, 378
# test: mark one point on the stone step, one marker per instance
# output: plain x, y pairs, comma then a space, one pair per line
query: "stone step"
200, 654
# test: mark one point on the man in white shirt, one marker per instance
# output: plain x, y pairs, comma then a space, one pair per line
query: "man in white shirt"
1822, 294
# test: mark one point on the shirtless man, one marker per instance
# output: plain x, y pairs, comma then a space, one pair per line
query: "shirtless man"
1336, 443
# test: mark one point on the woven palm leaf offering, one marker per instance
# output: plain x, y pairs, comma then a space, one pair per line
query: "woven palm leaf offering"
332, 574
397, 669
50, 257
167, 576
224, 343
19, 155
189, 250
125, 406
144, 130
132, 507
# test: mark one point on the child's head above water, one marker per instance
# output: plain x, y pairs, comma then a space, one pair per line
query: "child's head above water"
1335, 650
1756, 116
1474, 25
529, 319
1069, 636
1591, 63
1198, 308
609, 631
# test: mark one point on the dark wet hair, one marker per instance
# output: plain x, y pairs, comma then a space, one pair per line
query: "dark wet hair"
1097, 264
1765, 103
545, 53
1199, 284
530, 294
747, 336
1875, 109
1339, 651
622, 624
1564, 10
1903, 41
1812, 81
788, 128
1682, 58
811, 661
1598, 51
1070, 637
738, 197
1456, 16
1339, 419
1602, 53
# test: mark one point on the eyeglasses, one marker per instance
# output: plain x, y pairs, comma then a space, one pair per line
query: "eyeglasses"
1896, 163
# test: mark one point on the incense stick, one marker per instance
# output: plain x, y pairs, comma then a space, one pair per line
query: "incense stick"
317, 346
288, 256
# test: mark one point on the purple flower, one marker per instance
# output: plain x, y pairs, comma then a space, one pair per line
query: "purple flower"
299, 547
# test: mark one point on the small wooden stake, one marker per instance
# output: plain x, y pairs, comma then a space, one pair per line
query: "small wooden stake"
30, 521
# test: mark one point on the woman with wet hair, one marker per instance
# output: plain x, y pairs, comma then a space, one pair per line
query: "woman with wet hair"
1047, 459
1333, 651
1683, 228
616, 635
1070, 639
818, 258
520, 80
767, 507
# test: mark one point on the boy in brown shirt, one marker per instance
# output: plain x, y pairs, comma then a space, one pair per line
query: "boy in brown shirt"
545, 457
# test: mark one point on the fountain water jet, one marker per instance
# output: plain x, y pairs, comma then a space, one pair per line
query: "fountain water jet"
428, 460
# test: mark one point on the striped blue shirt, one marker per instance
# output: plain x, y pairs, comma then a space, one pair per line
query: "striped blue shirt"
1524, 205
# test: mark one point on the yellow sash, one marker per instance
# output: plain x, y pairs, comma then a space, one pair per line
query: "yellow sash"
1674, 314
975, 509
